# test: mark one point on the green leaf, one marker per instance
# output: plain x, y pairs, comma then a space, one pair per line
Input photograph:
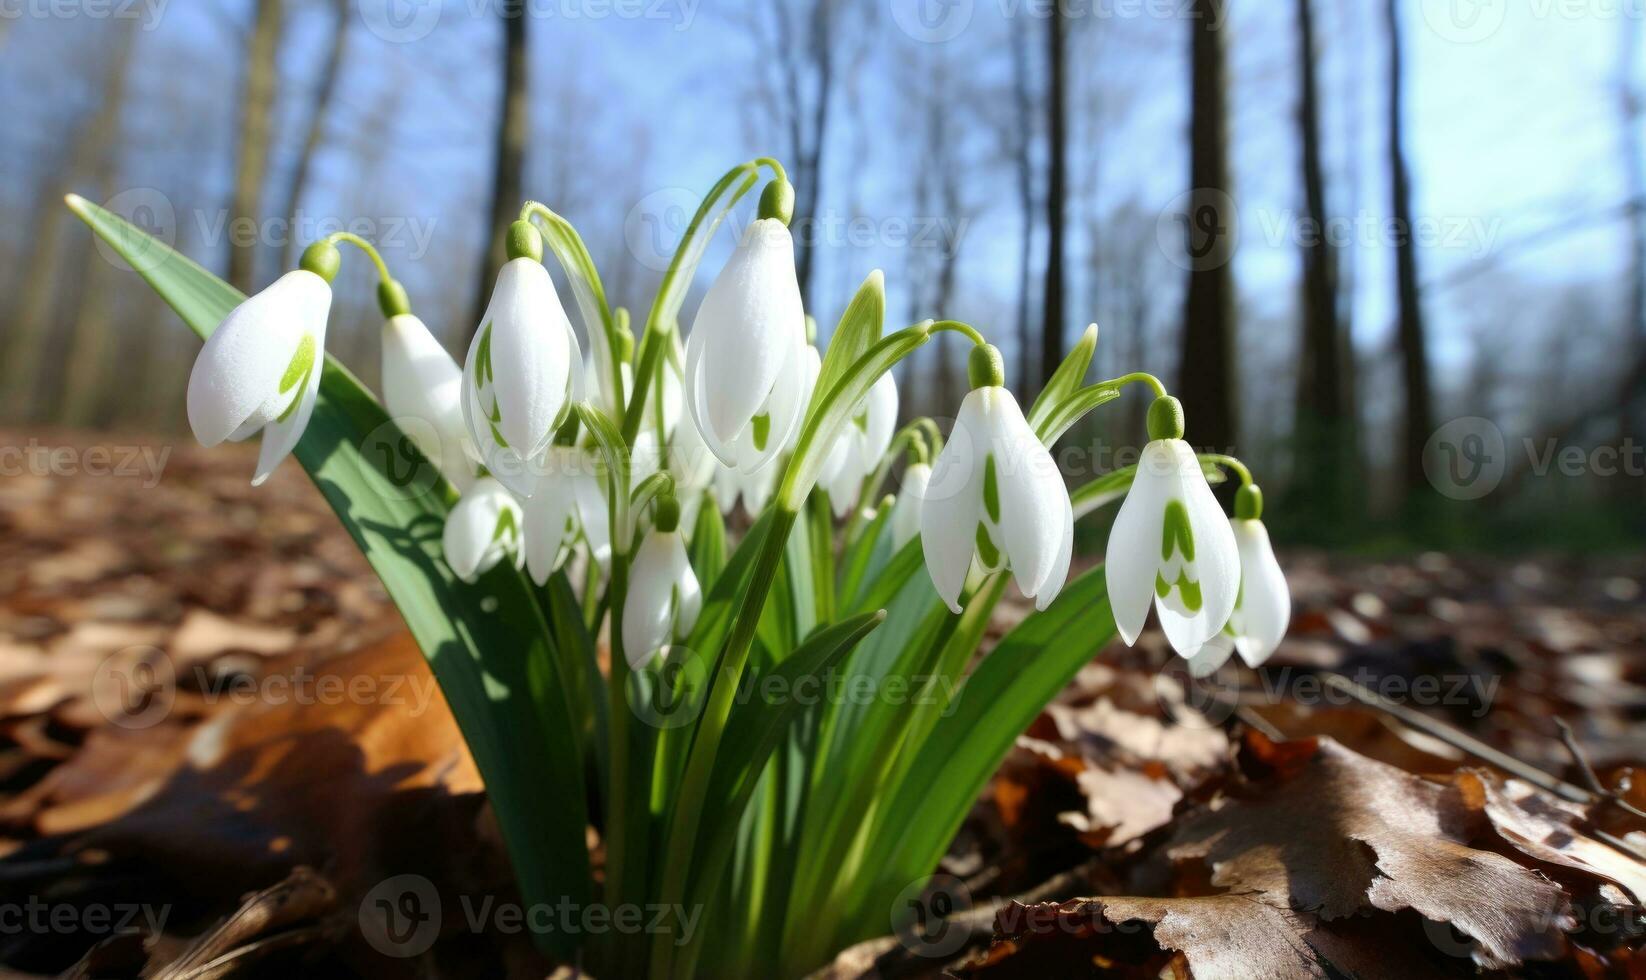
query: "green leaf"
859, 328
487, 643
1004, 694
1066, 379
707, 548
1072, 409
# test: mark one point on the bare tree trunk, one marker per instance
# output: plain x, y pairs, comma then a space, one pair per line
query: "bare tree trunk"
1631, 119
508, 169
325, 93
35, 361
1323, 434
256, 123
1022, 134
1057, 180
809, 145
1206, 370
1418, 421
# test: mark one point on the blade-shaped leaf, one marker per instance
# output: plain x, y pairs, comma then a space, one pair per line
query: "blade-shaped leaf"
488, 644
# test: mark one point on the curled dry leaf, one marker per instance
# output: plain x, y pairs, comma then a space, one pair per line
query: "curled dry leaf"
1344, 834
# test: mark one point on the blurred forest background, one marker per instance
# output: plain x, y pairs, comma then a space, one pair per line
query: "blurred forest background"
1393, 252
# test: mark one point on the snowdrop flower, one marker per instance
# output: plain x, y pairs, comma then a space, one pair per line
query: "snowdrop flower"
1171, 541
995, 494
754, 489
745, 355
421, 382
567, 499
905, 517
858, 449
664, 598
1263, 605
482, 530
260, 369
524, 367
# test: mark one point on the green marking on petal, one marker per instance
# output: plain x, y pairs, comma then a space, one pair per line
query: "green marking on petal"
483, 357
985, 547
1175, 530
1162, 588
302, 362
861, 421
1190, 591
505, 525
991, 489
762, 431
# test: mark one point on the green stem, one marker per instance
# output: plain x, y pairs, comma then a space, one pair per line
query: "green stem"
1136, 376
364, 246
961, 328
1231, 463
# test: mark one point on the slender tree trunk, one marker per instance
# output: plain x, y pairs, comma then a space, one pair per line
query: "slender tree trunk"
1631, 119
1206, 371
811, 139
1057, 151
1418, 420
325, 93
1322, 436
508, 168
1022, 134
256, 124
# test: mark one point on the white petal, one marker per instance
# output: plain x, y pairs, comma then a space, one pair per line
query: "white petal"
594, 514
531, 354
1060, 567
1213, 654
1132, 558
697, 395
812, 366
784, 409
550, 515
423, 392
236, 378
1034, 503
750, 322
688, 594
905, 519
1265, 601
882, 413
953, 502
280, 436
649, 607
470, 540
1216, 560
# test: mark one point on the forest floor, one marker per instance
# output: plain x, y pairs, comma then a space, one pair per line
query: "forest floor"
219, 750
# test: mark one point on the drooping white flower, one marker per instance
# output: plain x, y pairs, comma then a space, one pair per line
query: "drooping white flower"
664, 598
858, 449
995, 493
1171, 542
1263, 606
260, 369
567, 506
744, 357
482, 530
523, 371
423, 391
753, 489
905, 517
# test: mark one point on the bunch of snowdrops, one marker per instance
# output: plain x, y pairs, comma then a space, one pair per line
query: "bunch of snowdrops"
790, 726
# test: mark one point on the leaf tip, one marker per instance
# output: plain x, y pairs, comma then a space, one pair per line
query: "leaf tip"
76, 203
